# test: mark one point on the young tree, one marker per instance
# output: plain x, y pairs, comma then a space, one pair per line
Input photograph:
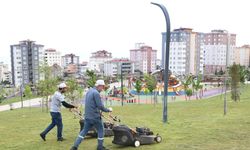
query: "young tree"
189, 92
138, 87
234, 72
216, 72
221, 72
247, 74
187, 81
47, 86
196, 84
2, 94
74, 91
91, 78
244, 73
27, 92
146, 92
151, 83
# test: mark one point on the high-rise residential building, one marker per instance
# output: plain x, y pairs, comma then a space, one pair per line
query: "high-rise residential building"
218, 45
26, 57
51, 57
4, 72
97, 60
70, 59
83, 67
144, 57
242, 55
114, 67
186, 51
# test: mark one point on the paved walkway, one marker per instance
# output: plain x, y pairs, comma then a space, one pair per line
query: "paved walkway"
209, 93
27, 103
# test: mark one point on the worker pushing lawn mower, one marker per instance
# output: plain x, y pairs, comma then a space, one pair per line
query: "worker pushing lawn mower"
109, 123
92, 115
123, 135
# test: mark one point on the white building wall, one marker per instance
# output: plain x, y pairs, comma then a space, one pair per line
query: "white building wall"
241, 56
192, 59
17, 65
4, 69
177, 59
216, 54
53, 58
94, 63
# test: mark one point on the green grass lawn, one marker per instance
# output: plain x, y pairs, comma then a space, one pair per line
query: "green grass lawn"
197, 124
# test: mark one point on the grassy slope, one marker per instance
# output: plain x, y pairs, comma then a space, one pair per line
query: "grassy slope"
197, 124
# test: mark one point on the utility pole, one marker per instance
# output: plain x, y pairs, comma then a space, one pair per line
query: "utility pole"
21, 93
122, 85
226, 73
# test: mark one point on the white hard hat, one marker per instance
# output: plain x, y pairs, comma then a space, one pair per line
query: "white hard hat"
99, 82
62, 85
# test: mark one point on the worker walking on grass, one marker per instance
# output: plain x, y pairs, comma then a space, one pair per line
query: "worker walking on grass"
55, 112
93, 106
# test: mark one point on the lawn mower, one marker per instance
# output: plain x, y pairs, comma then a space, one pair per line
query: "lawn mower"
126, 136
109, 123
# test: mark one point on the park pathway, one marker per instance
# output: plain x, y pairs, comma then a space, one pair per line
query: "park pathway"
27, 103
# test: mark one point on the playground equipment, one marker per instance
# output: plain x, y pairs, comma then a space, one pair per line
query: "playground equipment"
174, 84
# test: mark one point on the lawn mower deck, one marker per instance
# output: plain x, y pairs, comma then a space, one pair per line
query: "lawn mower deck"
123, 135
108, 126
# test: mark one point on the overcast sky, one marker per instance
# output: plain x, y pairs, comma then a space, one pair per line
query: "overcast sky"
85, 26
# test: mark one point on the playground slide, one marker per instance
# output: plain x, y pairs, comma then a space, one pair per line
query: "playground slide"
177, 93
177, 85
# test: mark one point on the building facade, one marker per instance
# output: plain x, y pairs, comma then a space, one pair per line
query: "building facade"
4, 72
218, 44
97, 60
186, 53
144, 58
26, 57
51, 57
83, 67
70, 59
242, 55
114, 67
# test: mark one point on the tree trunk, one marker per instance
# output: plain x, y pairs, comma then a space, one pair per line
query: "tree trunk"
47, 103
151, 101
42, 104
196, 94
138, 99
155, 97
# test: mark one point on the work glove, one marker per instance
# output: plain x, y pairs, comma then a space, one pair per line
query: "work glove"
110, 109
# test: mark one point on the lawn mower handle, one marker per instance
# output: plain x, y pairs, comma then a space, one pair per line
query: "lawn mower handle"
76, 112
114, 118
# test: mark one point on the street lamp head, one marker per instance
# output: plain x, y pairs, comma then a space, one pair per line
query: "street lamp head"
154, 3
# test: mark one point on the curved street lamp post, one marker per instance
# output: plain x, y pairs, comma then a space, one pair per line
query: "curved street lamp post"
166, 60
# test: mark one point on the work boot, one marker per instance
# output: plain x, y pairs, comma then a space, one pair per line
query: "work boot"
61, 139
103, 148
42, 136
73, 148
